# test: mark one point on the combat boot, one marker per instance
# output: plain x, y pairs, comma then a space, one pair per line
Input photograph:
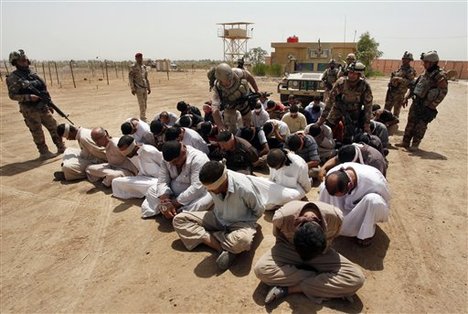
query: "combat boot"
414, 148
403, 144
46, 155
60, 148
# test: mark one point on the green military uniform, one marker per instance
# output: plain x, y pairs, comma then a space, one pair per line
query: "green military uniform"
329, 77
351, 102
37, 113
397, 88
430, 89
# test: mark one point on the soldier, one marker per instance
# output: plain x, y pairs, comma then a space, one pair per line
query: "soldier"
350, 101
429, 91
399, 83
26, 87
330, 75
350, 58
139, 84
230, 88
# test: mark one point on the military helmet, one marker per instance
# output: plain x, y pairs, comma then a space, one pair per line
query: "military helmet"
351, 56
430, 56
356, 67
408, 55
224, 72
16, 55
332, 61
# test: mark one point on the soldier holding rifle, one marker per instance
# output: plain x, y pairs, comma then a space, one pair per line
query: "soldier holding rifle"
26, 87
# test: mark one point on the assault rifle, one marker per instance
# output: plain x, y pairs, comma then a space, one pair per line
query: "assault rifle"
45, 99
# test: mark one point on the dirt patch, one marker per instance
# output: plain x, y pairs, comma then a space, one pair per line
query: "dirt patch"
72, 247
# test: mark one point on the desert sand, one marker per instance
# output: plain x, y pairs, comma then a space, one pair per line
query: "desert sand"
72, 247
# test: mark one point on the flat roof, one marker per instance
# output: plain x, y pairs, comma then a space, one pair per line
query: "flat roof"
234, 23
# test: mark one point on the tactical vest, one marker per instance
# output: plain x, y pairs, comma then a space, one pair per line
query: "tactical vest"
29, 81
230, 95
426, 82
332, 75
352, 96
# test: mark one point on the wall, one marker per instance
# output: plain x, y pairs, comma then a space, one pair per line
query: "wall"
387, 66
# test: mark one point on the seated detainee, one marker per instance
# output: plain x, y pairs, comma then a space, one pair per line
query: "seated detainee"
179, 188
138, 129
276, 110
289, 170
323, 136
276, 132
259, 115
380, 130
302, 259
117, 165
147, 159
305, 146
166, 117
230, 226
256, 137
361, 192
186, 136
76, 160
189, 121
240, 155
158, 129
295, 120
359, 153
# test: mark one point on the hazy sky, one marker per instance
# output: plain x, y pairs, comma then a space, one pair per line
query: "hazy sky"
115, 30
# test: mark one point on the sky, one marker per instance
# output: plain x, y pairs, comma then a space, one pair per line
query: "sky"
188, 30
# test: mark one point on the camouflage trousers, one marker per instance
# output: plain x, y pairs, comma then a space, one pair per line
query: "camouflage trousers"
415, 127
395, 100
142, 97
35, 118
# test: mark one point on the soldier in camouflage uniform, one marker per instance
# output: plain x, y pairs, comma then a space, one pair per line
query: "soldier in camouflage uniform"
399, 83
139, 84
25, 86
430, 89
350, 59
229, 92
351, 102
330, 75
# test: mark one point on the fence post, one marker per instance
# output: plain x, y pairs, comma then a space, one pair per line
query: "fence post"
107, 73
73, 76
56, 74
6, 67
50, 73
122, 68
45, 74
116, 70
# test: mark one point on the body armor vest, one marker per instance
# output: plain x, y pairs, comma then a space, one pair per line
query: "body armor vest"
332, 75
230, 95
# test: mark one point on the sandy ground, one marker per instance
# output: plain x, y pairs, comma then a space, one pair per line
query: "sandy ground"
72, 247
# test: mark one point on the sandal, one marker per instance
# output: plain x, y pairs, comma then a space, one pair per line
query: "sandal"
276, 293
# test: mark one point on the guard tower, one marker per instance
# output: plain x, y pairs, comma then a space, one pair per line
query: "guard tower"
235, 36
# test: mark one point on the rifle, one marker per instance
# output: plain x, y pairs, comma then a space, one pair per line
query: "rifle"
45, 98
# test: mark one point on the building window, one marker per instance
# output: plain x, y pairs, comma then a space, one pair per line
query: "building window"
304, 67
322, 66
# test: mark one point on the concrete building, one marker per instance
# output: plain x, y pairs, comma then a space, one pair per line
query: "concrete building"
297, 56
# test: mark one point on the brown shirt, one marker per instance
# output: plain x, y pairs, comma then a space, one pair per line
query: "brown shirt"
283, 220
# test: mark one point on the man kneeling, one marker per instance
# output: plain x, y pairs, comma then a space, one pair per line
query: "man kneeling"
302, 261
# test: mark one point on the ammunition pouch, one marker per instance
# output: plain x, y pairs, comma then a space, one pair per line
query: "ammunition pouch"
423, 112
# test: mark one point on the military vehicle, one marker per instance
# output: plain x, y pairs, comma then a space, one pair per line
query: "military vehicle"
304, 86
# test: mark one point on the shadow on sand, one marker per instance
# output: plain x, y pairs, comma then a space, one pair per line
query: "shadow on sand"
299, 303
371, 257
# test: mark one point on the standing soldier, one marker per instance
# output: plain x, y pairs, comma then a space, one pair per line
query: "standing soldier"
26, 87
429, 91
330, 75
350, 59
229, 94
139, 84
399, 83
351, 102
